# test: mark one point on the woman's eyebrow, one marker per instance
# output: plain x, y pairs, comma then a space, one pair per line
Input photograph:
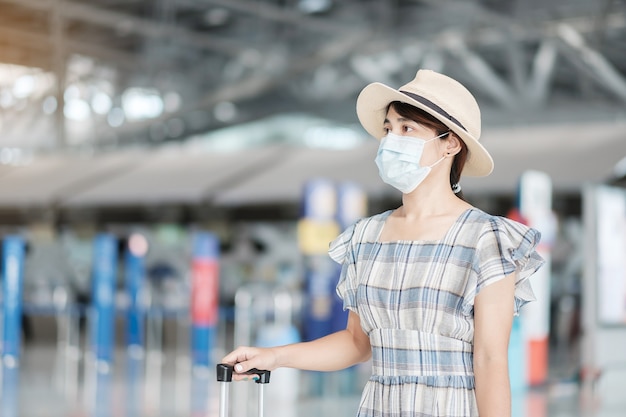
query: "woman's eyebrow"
399, 119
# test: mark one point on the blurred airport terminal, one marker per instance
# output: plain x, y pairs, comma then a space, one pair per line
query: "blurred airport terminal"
172, 171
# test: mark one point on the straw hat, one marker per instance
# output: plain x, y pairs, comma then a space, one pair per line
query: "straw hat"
438, 95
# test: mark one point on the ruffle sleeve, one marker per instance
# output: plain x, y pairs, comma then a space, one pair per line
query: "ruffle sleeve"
341, 251
505, 246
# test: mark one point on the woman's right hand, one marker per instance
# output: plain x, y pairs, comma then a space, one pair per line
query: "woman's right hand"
245, 358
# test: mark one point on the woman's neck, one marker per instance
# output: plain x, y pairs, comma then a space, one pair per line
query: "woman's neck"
429, 201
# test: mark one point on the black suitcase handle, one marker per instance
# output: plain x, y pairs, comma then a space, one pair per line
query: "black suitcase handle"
224, 373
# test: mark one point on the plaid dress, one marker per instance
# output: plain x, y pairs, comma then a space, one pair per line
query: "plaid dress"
415, 301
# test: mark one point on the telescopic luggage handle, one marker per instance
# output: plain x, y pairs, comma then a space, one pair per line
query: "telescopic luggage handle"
224, 373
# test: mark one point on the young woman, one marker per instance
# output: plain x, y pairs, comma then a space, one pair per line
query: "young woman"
432, 286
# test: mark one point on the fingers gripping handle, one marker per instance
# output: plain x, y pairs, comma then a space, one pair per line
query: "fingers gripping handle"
224, 373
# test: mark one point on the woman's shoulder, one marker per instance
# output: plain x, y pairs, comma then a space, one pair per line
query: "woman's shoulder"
368, 228
363, 230
481, 217
374, 220
483, 223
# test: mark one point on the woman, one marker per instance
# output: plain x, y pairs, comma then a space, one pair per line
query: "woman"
432, 286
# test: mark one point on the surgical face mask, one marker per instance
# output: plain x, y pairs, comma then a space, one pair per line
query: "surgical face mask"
398, 161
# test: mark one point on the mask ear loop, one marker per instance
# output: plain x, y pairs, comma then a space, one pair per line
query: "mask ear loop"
456, 188
445, 156
443, 134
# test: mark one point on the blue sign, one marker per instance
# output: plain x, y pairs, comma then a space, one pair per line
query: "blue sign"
135, 280
13, 249
103, 295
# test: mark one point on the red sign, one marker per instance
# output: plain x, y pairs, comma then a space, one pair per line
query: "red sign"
204, 292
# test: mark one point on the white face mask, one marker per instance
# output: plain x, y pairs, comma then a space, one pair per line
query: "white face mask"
398, 161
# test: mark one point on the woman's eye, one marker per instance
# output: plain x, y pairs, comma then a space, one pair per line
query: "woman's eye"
407, 128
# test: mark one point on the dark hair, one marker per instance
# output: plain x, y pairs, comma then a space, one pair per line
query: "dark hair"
413, 113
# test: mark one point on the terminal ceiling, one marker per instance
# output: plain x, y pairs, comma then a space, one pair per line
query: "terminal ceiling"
553, 69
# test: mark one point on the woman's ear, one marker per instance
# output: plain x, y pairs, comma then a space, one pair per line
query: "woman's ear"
453, 145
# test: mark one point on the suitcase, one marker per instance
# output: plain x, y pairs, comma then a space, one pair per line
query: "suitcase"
224, 373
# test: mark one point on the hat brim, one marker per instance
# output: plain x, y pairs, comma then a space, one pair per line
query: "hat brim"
371, 109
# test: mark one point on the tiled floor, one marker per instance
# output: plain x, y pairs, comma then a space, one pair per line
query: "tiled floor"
42, 387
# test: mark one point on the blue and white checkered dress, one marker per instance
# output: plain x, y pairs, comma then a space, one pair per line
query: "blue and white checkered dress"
415, 302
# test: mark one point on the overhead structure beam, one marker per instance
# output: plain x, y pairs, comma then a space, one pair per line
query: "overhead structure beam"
132, 24
330, 52
516, 63
477, 48
542, 71
271, 12
604, 72
152, 29
259, 83
481, 71
509, 34
464, 6
492, 33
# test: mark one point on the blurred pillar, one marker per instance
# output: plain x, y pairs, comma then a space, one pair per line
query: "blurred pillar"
135, 272
9, 391
535, 206
13, 250
317, 227
102, 312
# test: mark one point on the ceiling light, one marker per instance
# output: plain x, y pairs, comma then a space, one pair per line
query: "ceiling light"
77, 110
101, 103
142, 103
314, 6
24, 86
331, 137
225, 111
